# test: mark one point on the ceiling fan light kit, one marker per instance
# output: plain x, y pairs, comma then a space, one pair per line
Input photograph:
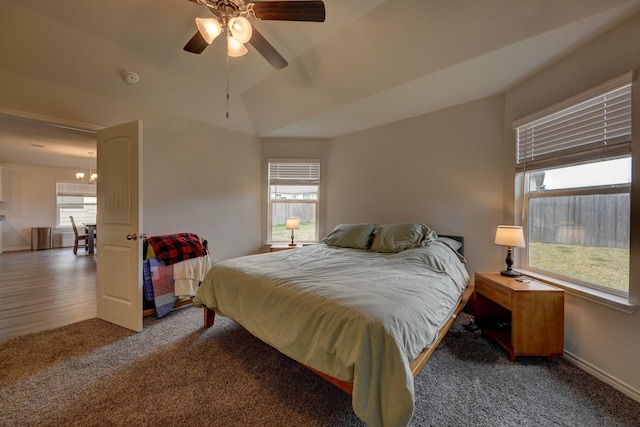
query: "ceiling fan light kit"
233, 16
235, 48
240, 29
209, 28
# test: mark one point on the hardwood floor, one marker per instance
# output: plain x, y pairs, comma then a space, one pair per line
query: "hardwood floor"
45, 289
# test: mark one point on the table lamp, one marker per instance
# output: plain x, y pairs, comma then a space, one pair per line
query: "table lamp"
292, 224
512, 237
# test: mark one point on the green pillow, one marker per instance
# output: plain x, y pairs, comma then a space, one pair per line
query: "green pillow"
392, 238
350, 236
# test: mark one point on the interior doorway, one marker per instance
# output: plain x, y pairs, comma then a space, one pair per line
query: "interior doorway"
36, 156
36, 152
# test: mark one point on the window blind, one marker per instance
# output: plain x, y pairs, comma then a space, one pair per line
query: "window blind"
75, 189
292, 172
597, 127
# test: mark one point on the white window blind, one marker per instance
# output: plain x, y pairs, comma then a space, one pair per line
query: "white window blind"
592, 128
291, 172
75, 189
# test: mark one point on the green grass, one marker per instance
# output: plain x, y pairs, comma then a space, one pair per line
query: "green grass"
306, 232
603, 266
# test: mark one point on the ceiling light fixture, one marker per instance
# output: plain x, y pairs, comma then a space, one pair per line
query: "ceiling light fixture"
239, 30
209, 28
233, 16
93, 177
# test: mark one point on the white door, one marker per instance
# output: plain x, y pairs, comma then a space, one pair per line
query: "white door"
119, 219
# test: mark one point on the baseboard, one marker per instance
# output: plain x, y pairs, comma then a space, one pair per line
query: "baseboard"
16, 248
603, 376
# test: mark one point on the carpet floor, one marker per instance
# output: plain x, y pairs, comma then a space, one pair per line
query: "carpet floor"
175, 373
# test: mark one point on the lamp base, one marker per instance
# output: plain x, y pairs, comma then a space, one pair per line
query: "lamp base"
510, 273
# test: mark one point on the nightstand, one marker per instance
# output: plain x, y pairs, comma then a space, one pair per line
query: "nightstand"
282, 247
525, 318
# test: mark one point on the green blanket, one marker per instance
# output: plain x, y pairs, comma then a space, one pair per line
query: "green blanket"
356, 315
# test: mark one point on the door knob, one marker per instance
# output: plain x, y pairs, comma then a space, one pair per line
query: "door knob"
133, 236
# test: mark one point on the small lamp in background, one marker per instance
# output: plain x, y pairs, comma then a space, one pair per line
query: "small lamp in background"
512, 237
292, 224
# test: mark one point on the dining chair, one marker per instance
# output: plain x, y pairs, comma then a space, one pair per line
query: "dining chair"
78, 237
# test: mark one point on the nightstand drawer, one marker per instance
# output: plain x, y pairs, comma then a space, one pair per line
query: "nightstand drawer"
495, 293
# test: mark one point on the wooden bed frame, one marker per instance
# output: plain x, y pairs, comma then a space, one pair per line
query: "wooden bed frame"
178, 304
417, 364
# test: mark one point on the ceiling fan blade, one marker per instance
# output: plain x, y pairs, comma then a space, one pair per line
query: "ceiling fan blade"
197, 43
311, 10
267, 51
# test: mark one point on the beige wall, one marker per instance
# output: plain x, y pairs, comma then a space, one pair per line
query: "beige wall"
29, 201
443, 169
603, 340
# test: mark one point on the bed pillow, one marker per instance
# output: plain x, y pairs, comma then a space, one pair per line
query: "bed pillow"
452, 243
355, 236
392, 238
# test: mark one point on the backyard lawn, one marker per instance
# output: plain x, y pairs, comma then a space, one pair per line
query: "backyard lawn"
604, 266
305, 233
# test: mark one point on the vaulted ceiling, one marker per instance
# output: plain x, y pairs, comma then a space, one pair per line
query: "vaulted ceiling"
370, 63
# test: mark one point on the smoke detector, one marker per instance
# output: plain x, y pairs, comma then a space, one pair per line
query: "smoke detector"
130, 77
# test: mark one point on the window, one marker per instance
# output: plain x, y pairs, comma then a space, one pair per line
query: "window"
574, 168
293, 192
77, 200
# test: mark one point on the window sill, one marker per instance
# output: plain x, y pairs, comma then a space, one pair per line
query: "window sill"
593, 295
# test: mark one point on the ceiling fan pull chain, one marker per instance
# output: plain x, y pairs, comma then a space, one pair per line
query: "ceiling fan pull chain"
227, 85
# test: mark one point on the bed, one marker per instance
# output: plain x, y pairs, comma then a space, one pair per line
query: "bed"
364, 310
173, 266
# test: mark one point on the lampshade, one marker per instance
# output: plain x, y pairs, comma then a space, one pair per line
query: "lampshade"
209, 28
240, 29
510, 235
292, 224
79, 175
235, 48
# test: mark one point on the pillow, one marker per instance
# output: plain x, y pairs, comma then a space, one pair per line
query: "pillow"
355, 236
399, 237
452, 243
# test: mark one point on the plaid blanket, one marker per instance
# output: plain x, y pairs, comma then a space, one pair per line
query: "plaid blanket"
172, 248
164, 296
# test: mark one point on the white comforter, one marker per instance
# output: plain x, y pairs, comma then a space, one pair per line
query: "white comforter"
356, 315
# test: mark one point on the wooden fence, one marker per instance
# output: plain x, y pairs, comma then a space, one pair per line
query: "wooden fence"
306, 212
600, 220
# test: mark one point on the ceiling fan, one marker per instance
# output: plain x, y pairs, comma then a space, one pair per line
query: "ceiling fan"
233, 16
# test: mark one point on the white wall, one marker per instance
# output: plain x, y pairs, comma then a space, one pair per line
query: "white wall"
203, 180
195, 177
29, 201
604, 340
443, 169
